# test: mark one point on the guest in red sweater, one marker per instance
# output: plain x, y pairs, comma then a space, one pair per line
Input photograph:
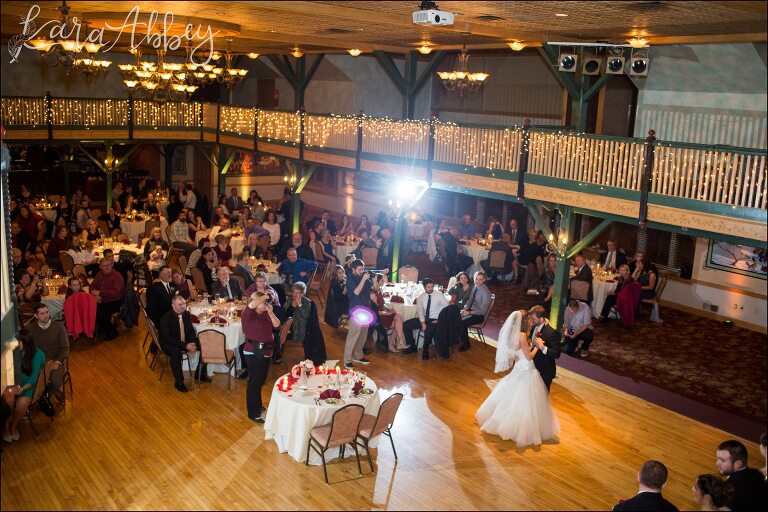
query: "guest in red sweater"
58, 243
108, 287
258, 321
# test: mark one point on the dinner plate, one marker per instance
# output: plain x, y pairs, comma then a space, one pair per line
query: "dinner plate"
366, 391
332, 401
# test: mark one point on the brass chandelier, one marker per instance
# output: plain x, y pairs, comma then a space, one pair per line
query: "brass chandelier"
461, 80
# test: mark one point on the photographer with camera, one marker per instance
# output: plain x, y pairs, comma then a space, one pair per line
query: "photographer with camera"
577, 326
359, 286
258, 321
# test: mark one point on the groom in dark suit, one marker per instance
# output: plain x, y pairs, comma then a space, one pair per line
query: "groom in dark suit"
548, 343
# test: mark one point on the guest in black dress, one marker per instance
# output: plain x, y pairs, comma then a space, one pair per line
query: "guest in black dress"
306, 325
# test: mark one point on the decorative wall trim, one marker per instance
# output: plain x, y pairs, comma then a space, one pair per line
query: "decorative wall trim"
742, 228
596, 203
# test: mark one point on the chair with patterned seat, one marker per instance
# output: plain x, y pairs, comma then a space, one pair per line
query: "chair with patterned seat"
341, 431
372, 426
213, 350
477, 330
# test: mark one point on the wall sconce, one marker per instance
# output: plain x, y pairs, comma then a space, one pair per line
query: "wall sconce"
562, 243
290, 179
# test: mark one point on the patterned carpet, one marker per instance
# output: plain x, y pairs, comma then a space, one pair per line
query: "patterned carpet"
698, 358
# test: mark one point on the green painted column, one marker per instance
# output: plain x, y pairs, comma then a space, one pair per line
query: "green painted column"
222, 172
109, 166
109, 191
397, 238
560, 292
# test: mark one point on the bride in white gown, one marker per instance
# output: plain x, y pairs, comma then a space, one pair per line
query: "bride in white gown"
518, 407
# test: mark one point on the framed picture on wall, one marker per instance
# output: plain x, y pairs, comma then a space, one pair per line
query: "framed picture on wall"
179, 160
739, 259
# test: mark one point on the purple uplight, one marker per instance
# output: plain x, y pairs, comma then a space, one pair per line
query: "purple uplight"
362, 316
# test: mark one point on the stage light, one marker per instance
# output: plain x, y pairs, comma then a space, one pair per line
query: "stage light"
639, 66
591, 66
615, 65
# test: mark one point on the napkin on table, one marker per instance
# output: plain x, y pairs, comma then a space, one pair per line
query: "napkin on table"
330, 393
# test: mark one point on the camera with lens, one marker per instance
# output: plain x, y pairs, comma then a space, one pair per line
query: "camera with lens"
270, 301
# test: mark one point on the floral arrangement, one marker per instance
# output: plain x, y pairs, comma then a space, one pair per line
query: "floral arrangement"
305, 366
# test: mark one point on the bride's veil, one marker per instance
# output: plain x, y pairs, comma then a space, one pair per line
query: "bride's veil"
509, 342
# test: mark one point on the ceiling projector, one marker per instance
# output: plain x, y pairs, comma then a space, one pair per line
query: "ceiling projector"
430, 15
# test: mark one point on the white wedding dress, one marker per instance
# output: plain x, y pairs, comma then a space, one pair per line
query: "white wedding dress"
518, 408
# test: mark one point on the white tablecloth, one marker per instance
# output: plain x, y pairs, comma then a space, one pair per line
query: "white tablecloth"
478, 253
135, 228
55, 300
431, 245
406, 309
272, 276
341, 251
233, 332
292, 414
600, 290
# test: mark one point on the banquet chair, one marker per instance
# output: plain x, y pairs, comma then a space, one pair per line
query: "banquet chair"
66, 261
104, 227
198, 280
95, 213
239, 279
369, 255
67, 377
39, 388
408, 273
318, 285
143, 311
156, 341
372, 426
168, 232
655, 300
285, 329
174, 255
149, 226
317, 250
580, 291
78, 270
477, 330
343, 430
263, 242
183, 265
213, 350
496, 262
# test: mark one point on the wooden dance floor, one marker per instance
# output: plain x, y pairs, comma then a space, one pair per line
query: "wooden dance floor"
127, 441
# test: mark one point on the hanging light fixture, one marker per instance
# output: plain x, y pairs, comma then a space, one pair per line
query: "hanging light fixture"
355, 52
517, 45
297, 53
161, 81
461, 80
425, 49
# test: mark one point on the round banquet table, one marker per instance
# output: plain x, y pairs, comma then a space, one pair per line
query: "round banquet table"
272, 276
342, 250
135, 228
236, 242
55, 300
292, 414
478, 253
233, 333
601, 287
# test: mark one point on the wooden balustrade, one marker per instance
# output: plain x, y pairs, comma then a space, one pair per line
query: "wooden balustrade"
407, 139
28, 112
280, 126
601, 161
337, 132
725, 175
711, 174
88, 112
478, 147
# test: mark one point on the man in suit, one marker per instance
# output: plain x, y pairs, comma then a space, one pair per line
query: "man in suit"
159, 295
749, 485
242, 269
225, 287
548, 341
177, 336
613, 258
329, 224
234, 202
652, 478
583, 273
475, 309
429, 305
517, 236
384, 257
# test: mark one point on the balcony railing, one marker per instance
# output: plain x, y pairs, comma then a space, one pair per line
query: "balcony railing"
718, 174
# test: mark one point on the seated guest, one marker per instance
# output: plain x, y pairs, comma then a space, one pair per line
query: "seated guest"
181, 285
194, 257
475, 310
387, 318
155, 250
242, 269
245, 216
367, 241
348, 264
346, 226
177, 336
494, 228
652, 478
577, 326
79, 310
304, 251
613, 258
91, 231
194, 224
108, 287
532, 256
429, 305
461, 290
112, 219
712, 493
516, 235
253, 248
19, 238
64, 211
234, 201
306, 325
548, 280
221, 228
749, 485
271, 225
294, 269
83, 214
179, 232
19, 264
60, 242
646, 278
502, 245
639, 256
224, 287
254, 199
261, 284
252, 227
467, 228
83, 256
51, 337
455, 259
208, 264
327, 245
159, 295
329, 224
29, 293
32, 224
365, 225
223, 250
19, 397
584, 273
338, 302
259, 322
150, 205
624, 280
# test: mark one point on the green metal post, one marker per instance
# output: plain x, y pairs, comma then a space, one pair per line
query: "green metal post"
108, 169
397, 236
223, 170
560, 292
302, 178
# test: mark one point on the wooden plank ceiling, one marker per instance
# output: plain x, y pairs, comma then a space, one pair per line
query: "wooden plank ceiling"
333, 27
